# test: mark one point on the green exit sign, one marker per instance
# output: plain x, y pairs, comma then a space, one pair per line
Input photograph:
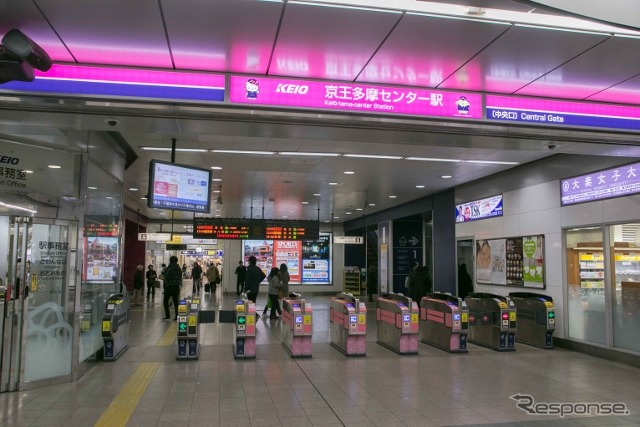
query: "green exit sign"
182, 326
242, 320
551, 314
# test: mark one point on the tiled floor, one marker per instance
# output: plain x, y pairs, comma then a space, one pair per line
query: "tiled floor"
434, 388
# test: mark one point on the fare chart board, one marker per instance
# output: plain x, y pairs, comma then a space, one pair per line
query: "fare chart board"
244, 229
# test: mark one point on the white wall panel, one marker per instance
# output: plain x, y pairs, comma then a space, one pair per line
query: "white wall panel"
622, 209
540, 222
584, 214
539, 197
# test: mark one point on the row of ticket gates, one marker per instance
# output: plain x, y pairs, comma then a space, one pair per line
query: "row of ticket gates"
442, 320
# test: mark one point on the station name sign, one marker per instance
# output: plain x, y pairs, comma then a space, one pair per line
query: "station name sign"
561, 113
359, 97
348, 240
604, 184
254, 229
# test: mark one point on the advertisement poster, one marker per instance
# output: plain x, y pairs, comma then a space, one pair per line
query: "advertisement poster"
479, 209
179, 187
514, 261
101, 262
533, 250
316, 261
288, 252
308, 261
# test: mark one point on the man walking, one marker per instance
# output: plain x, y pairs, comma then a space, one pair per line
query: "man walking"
196, 275
252, 279
241, 271
172, 283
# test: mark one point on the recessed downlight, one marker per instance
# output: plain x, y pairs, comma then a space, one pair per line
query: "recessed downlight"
419, 186
393, 196
217, 179
216, 168
92, 188
305, 203
372, 204
133, 189
317, 194
28, 171
359, 209
333, 183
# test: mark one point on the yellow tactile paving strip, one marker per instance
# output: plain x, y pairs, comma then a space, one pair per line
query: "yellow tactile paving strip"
169, 337
121, 408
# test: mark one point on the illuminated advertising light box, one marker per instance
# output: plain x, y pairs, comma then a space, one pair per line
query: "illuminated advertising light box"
604, 184
128, 83
178, 187
562, 113
511, 261
479, 209
358, 97
100, 260
308, 261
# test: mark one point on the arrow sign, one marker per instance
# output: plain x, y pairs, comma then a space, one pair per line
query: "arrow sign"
183, 327
242, 320
413, 240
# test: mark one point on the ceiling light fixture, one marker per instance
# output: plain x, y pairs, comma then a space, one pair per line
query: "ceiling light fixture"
490, 162
17, 207
349, 172
305, 203
54, 167
446, 176
303, 153
216, 168
243, 152
373, 156
372, 204
432, 159
393, 197
133, 189
217, 179
92, 188
143, 198
28, 171
358, 209
317, 194
333, 183
419, 186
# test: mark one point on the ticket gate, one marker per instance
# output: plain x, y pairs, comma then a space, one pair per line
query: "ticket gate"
444, 322
244, 329
348, 324
397, 320
188, 329
115, 326
536, 318
297, 326
492, 321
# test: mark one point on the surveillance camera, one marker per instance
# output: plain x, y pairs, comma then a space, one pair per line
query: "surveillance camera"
551, 146
219, 200
112, 122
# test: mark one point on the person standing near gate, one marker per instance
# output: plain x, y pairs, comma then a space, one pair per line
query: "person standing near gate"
252, 280
196, 275
152, 277
213, 276
172, 283
241, 272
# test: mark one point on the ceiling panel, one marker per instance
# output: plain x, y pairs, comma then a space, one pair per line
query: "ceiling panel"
326, 42
24, 15
119, 32
518, 57
605, 65
627, 92
423, 51
224, 35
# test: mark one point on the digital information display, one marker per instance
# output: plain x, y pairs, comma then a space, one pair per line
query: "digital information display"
101, 226
479, 209
604, 184
243, 228
291, 230
308, 261
178, 187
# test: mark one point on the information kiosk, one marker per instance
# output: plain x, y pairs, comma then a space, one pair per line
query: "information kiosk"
189, 329
348, 323
397, 319
536, 318
115, 326
444, 322
297, 328
244, 329
492, 321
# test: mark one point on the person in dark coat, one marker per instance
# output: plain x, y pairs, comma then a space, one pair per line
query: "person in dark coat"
241, 271
172, 284
465, 283
152, 277
252, 280
138, 285
196, 275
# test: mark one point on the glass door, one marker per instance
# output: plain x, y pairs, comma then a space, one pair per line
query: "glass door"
14, 273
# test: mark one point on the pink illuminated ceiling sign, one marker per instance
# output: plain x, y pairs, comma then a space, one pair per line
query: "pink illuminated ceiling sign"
354, 97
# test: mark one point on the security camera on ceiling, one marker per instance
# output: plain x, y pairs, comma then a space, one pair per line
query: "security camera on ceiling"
20, 57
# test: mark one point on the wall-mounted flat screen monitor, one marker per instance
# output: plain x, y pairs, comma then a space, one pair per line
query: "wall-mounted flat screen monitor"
179, 187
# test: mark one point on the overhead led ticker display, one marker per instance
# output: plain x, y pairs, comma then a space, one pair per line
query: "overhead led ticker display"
246, 229
291, 230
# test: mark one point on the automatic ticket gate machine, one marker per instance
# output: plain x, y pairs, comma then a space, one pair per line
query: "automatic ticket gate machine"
348, 321
115, 326
397, 320
492, 321
189, 329
298, 327
244, 329
444, 322
536, 318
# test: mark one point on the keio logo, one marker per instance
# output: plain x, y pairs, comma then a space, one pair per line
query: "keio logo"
294, 89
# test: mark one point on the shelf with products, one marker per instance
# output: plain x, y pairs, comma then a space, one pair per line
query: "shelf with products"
352, 283
591, 269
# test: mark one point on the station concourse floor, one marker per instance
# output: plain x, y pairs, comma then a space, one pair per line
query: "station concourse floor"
146, 386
